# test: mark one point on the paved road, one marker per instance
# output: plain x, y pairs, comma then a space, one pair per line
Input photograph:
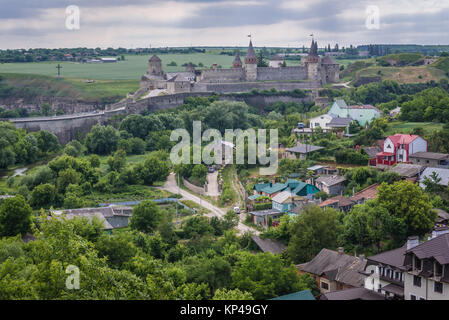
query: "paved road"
212, 184
170, 185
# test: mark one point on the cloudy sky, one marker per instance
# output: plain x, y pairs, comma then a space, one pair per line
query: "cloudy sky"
141, 23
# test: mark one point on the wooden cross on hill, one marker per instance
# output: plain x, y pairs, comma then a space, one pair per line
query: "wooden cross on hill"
59, 67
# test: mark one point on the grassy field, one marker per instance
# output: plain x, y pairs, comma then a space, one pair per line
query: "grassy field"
406, 127
132, 68
31, 85
404, 74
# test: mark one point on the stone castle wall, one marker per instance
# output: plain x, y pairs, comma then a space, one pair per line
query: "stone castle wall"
248, 86
282, 74
222, 75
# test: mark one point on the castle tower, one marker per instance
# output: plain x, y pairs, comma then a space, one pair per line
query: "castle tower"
312, 62
155, 66
237, 63
251, 64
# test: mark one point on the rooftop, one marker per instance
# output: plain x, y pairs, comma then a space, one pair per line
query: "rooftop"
366, 194
437, 248
353, 294
430, 155
304, 148
336, 122
337, 266
341, 200
269, 245
407, 170
300, 295
442, 173
263, 213
330, 180
393, 258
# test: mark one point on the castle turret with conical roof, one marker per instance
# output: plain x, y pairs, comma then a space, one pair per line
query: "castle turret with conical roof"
251, 63
250, 57
237, 63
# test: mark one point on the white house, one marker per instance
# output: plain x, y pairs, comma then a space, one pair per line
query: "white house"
321, 121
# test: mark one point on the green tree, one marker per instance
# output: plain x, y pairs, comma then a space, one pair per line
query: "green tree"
313, 230
43, 195
15, 216
102, 139
146, 216
229, 294
265, 275
118, 161
408, 202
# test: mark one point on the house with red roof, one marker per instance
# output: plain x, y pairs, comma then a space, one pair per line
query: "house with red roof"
399, 147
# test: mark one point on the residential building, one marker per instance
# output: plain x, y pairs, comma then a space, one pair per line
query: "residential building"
292, 186
399, 147
300, 295
363, 114
284, 201
335, 270
431, 159
262, 217
321, 121
276, 61
317, 169
331, 184
301, 151
427, 269
385, 273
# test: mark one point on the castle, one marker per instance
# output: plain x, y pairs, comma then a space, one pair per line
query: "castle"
311, 74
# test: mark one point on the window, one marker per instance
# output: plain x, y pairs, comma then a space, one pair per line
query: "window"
417, 263
417, 281
438, 287
324, 286
412, 297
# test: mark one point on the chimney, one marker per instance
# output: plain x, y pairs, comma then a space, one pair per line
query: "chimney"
412, 242
362, 257
340, 250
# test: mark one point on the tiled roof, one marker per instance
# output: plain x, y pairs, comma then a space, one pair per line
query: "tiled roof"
400, 138
437, 248
366, 194
365, 106
442, 173
372, 151
330, 180
282, 197
393, 258
339, 267
353, 294
341, 200
430, 155
407, 170
339, 122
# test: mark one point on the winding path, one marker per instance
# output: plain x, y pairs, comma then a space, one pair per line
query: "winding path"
170, 185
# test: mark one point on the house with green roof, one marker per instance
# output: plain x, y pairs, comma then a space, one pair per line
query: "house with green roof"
295, 187
300, 295
363, 114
